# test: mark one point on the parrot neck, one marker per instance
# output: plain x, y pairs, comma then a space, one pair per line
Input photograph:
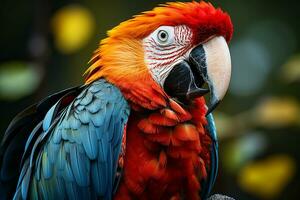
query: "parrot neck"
144, 94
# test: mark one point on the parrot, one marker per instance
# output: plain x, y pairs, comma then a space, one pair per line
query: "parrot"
139, 126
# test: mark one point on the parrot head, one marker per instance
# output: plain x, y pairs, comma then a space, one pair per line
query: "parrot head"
168, 52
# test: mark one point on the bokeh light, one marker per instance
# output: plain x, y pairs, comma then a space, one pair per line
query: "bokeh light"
251, 66
18, 79
73, 26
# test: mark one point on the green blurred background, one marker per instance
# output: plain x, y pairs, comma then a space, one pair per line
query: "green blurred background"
45, 46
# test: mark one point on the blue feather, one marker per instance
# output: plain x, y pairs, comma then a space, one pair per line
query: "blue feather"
74, 123
18, 194
68, 174
89, 141
95, 88
38, 164
103, 147
84, 193
84, 117
109, 191
78, 152
61, 159
72, 191
97, 179
117, 138
52, 150
103, 170
34, 195
60, 184
98, 119
78, 167
47, 169
25, 184
32, 134
49, 117
208, 184
212, 127
87, 99
95, 106
80, 108
80, 96
56, 139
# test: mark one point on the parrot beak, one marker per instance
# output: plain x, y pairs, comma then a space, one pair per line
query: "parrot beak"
214, 67
209, 62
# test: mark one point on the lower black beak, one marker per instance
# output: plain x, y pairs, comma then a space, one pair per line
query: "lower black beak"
208, 63
197, 60
182, 85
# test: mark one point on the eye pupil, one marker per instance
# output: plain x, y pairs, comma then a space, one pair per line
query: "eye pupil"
162, 36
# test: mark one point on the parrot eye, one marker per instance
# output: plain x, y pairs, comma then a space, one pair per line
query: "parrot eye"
162, 36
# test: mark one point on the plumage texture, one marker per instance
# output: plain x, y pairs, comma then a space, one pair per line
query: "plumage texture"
171, 158
76, 154
16, 135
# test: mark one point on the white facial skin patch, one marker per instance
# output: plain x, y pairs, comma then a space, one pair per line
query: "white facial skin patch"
165, 47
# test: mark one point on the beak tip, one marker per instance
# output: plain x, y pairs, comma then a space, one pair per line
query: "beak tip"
214, 103
197, 93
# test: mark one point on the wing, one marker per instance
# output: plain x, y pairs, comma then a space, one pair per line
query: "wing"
76, 155
210, 181
16, 135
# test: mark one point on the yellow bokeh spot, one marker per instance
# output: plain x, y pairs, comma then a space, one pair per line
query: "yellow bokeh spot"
267, 178
277, 112
291, 69
72, 26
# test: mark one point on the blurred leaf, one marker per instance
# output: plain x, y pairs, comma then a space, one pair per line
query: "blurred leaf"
239, 151
277, 112
73, 26
17, 79
290, 71
223, 124
267, 178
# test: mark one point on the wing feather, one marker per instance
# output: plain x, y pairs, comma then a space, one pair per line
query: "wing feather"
14, 140
78, 148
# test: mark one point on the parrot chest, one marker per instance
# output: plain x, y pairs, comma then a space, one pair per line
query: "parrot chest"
164, 159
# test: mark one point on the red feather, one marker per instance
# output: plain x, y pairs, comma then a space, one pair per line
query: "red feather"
165, 156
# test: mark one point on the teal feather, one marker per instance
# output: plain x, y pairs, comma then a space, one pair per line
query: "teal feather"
208, 184
79, 167
87, 99
46, 166
68, 173
49, 117
38, 164
89, 141
78, 153
25, 184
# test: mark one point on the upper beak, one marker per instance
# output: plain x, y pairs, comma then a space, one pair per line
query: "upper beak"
209, 62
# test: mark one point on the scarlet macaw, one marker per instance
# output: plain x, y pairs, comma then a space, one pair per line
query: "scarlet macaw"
139, 127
